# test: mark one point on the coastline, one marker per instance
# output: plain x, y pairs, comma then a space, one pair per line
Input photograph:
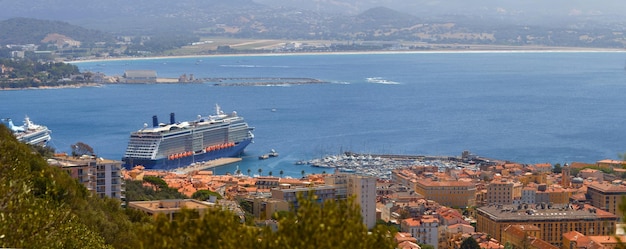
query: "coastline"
53, 87
476, 49
471, 49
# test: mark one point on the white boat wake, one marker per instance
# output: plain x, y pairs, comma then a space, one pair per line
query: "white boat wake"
381, 80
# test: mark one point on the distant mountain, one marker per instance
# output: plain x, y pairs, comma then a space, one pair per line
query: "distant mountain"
381, 17
34, 31
137, 16
529, 9
505, 22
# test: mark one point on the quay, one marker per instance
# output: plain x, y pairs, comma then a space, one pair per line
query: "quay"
207, 165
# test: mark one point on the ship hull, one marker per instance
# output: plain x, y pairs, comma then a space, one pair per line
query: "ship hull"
167, 164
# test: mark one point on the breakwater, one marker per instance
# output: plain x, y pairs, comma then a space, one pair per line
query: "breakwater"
262, 81
239, 81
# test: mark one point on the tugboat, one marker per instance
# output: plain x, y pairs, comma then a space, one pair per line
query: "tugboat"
272, 153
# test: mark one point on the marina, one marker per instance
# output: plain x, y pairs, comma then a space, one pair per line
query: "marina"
380, 166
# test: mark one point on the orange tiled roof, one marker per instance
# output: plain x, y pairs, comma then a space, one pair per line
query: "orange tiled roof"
412, 222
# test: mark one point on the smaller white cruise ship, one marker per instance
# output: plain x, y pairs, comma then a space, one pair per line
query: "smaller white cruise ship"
29, 133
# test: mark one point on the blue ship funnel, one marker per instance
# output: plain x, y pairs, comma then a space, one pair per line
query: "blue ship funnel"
172, 119
155, 121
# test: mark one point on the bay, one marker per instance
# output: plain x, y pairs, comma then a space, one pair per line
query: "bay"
528, 107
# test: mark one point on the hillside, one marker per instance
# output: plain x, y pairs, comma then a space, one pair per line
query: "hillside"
34, 31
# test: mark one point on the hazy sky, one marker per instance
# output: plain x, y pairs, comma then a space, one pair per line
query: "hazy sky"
529, 11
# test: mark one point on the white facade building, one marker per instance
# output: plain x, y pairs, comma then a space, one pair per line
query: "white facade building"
363, 188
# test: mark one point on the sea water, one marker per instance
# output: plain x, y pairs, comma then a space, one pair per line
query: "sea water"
530, 107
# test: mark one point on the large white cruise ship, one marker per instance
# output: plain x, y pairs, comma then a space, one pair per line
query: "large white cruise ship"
29, 133
178, 144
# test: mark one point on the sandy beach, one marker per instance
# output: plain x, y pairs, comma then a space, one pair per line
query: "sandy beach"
469, 49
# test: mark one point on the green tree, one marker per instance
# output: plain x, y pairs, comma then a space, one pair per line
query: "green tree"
81, 148
335, 224
557, 168
216, 228
269, 173
281, 173
156, 181
249, 170
260, 170
425, 246
205, 194
136, 191
469, 243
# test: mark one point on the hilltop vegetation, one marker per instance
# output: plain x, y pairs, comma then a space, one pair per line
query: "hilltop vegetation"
27, 73
43, 207
33, 31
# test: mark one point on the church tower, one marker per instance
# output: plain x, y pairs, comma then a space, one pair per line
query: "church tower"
565, 176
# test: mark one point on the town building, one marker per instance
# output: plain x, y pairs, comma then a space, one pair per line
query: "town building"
458, 194
264, 208
525, 236
290, 194
607, 196
538, 178
169, 207
592, 174
542, 167
140, 76
405, 240
503, 192
528, 194
576, 240
361, 188
101, 176
553, 220
424, 229
610, 164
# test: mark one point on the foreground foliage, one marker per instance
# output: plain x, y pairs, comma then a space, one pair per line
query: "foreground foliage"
335, 224
36, 202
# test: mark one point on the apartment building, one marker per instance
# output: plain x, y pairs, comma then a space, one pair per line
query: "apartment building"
552, 220
290, 194
503, 192
101, 176
424, 229
361, 188
458, 194
607, 196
